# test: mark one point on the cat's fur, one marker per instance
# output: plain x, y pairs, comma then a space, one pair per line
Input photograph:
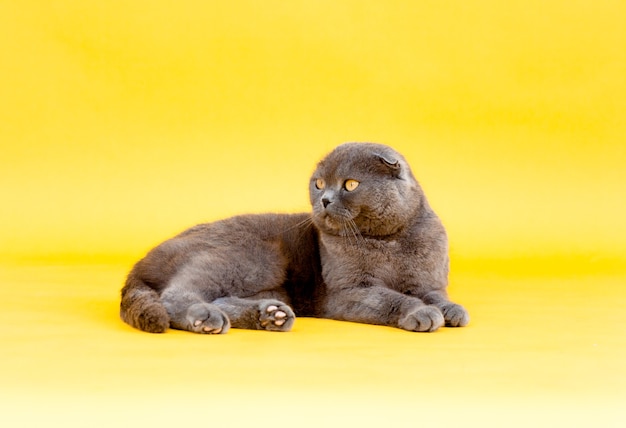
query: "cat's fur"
371, 252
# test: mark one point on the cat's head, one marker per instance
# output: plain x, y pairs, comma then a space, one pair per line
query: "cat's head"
366, 187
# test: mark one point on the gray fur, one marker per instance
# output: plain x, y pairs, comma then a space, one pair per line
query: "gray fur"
374, 254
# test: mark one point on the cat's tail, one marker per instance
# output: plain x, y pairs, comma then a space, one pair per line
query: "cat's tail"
142, 308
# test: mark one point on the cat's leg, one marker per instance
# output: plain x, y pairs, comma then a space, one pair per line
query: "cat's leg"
257, 314
454, 314
188, 311
382, 306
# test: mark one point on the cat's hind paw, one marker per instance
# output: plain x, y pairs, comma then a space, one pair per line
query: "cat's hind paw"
424, 318
207, 319
276, 316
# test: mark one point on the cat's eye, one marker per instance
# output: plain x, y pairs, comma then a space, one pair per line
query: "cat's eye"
320, 183
350, 185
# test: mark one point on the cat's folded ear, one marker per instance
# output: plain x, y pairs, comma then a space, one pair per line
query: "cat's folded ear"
391, 163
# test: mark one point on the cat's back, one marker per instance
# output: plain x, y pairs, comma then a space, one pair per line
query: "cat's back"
256, 226
285, 238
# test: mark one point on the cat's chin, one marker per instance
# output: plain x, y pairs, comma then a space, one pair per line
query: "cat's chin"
330, 225
336, 226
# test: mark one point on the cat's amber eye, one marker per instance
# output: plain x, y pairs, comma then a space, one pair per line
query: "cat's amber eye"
320, 184
350, 185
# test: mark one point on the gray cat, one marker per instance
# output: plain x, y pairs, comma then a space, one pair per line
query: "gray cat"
372, 251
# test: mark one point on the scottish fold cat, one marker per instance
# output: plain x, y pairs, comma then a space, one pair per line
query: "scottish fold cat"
371, 251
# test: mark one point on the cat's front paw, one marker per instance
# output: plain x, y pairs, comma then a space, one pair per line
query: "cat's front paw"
276, 316
424, 318
455, 315
207, 319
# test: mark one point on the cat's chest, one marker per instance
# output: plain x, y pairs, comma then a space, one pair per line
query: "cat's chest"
386, 260
363, 248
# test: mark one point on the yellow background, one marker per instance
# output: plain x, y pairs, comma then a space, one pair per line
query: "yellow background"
124, 122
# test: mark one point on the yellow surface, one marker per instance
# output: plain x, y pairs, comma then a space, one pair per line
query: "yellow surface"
539, 352
123, 122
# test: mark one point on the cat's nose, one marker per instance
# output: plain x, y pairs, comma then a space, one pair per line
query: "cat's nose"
325, 202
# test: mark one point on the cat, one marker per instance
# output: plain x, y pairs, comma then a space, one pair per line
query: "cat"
371, 251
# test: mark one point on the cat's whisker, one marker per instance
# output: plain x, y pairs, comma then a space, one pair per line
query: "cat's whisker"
357, 233
349, 232
350, 226
301, 224
345, 230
